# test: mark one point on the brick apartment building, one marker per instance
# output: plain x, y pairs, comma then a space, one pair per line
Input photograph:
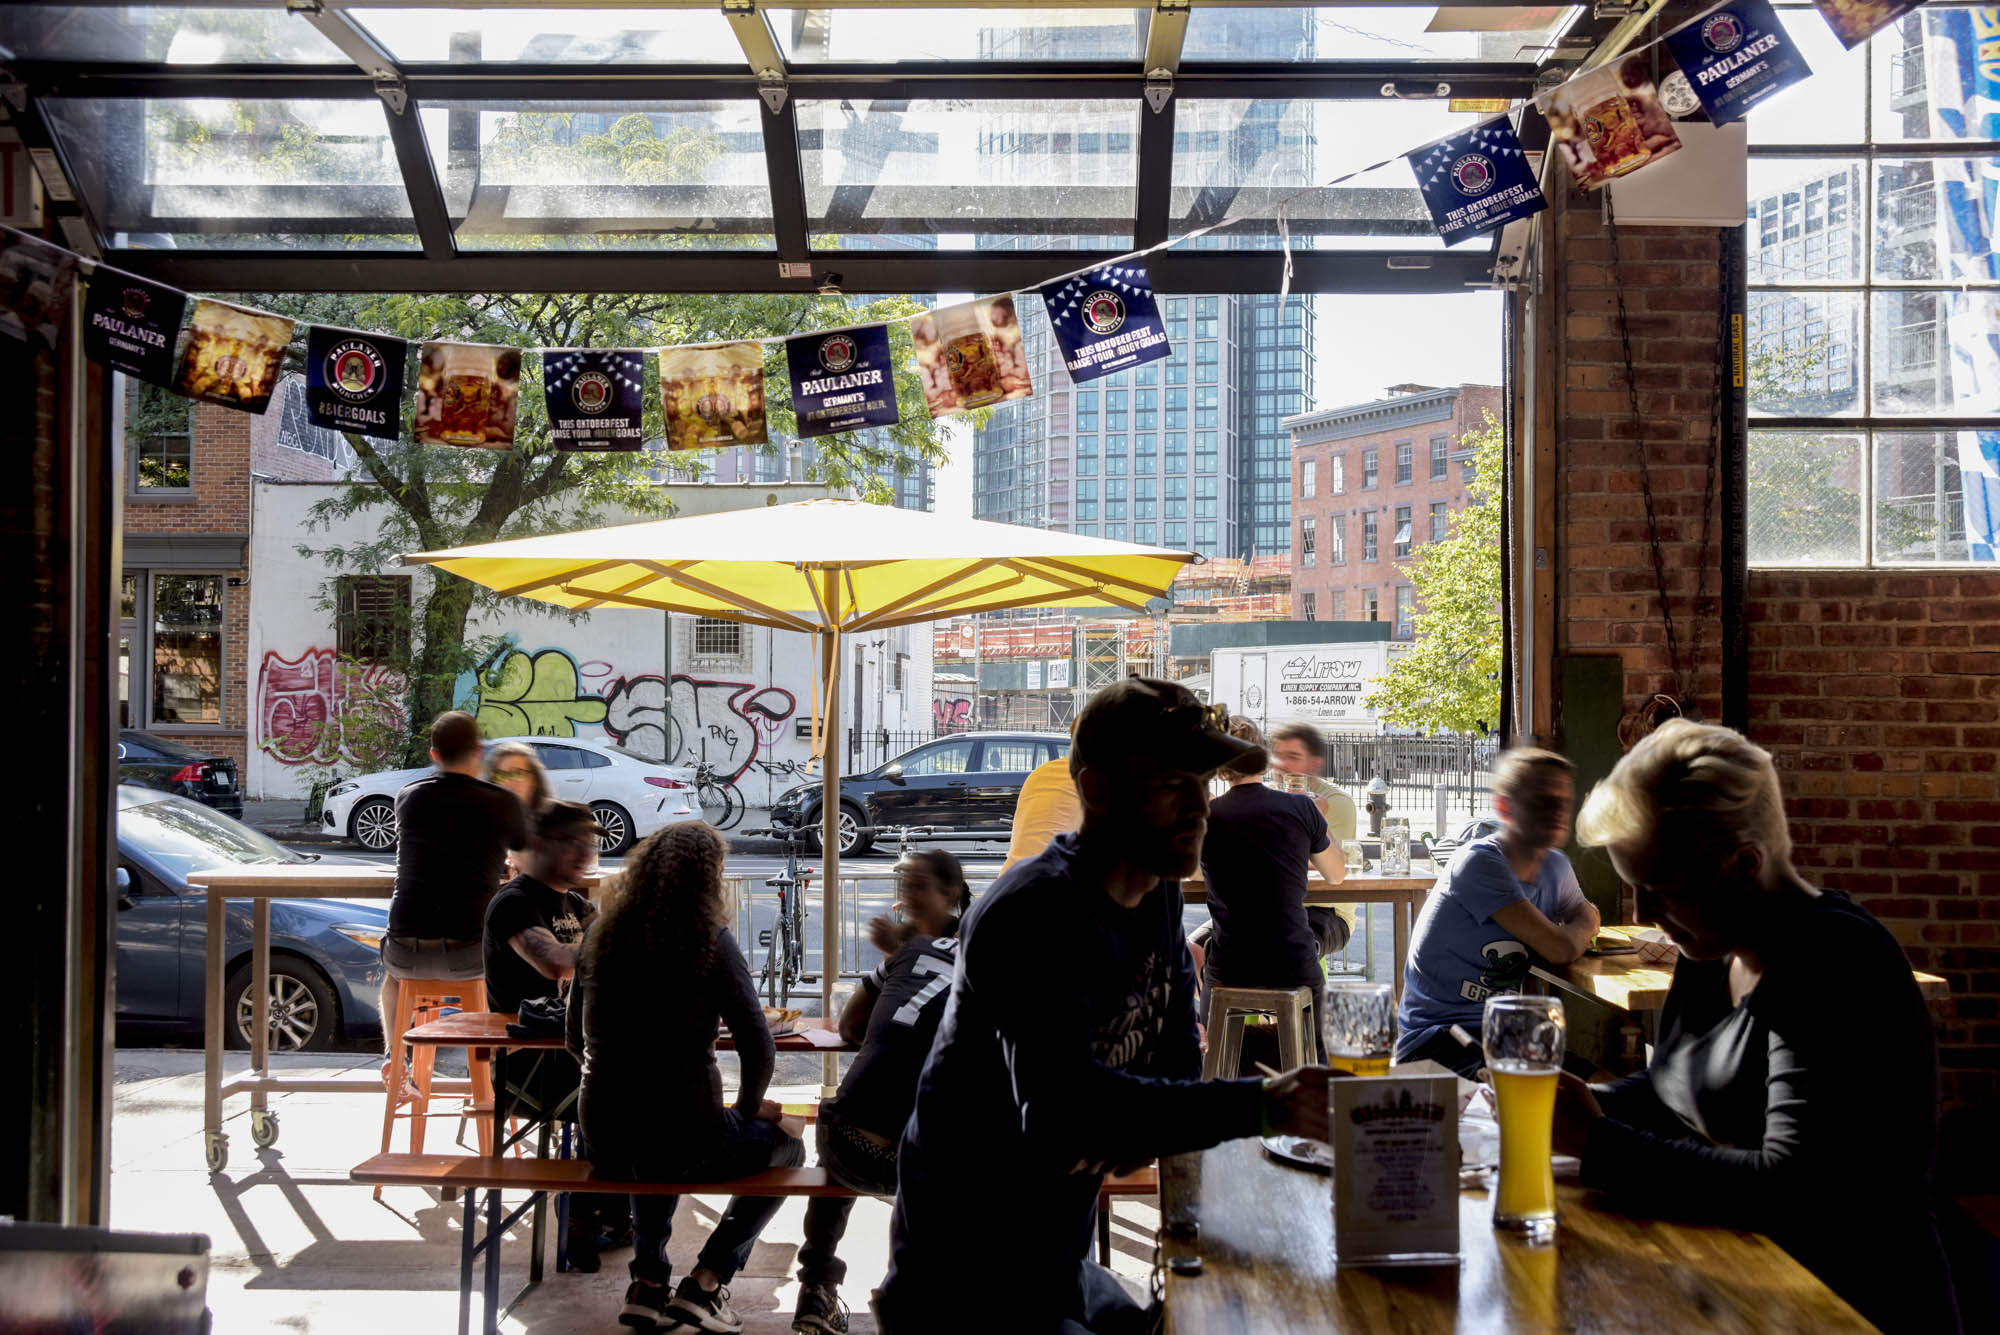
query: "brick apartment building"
184, 605
1370, 483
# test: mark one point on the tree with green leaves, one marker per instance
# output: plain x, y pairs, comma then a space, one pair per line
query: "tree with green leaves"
1450, 678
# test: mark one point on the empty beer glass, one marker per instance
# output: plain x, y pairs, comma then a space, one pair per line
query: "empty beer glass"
1360, 1027
1524, 1052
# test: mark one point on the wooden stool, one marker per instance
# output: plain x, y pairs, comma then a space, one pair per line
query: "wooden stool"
1228, 1007
418, 1001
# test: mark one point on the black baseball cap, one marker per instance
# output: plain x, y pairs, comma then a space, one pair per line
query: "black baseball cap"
562, 817
1143, 724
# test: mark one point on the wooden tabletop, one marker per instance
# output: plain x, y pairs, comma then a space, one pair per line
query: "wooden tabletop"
488, 1029
1266, 1244
1364, 889
1625, 982
309, 880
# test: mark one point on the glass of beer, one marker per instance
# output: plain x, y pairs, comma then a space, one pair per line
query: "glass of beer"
1524, 1052
1360, 1027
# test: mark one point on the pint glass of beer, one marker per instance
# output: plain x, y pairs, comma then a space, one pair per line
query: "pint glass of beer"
1359, 1028
1524, 1052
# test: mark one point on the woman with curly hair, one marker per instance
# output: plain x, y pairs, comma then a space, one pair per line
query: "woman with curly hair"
657, 972
516, 767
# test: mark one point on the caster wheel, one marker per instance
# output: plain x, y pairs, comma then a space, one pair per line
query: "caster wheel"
215, 1146
263, 1128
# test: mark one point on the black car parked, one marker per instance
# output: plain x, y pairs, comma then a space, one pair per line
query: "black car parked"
968, 782
175, 767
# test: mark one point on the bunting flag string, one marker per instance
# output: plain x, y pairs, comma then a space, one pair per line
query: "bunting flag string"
1605, 123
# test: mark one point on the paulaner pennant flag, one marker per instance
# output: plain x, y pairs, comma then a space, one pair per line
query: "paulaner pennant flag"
1736, 56
595, 397
468, 394
970, 355
1477, 180
36, 282
1609, 121
231, 355
130, 325
1106, 320
354, 381
842, 381
714, 395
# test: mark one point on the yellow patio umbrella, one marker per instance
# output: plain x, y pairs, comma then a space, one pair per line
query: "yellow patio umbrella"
825, 568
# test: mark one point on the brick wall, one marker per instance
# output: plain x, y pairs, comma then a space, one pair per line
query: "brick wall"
1879, 694
220, 504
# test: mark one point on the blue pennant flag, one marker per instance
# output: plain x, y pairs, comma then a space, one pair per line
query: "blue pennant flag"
595, 397
1476, 180
842, 380
1736, 56
354, 381
1106, 320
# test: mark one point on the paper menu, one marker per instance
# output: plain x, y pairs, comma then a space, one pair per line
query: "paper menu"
1395, 1191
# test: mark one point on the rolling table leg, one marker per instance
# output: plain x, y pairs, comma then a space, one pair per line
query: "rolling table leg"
211, 1056
260, 1002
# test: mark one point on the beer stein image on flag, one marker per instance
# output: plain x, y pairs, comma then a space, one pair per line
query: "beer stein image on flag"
842, 381
1855, 21
595, 397
1106, 320
1735, 57
231, 355
36, 282
713, 394
130, 325
1609, 122
354, 381
1476, 180
468, 394
970, 356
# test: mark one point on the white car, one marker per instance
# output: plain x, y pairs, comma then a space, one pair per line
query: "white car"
630, 795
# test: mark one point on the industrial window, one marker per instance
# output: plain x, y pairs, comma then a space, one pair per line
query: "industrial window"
1402, 530
1370, 607
1308, 474
372, 618
1336, 540
1405, 461
1440, 520
1371, 469
1870, 444
1308, 549
160, 432
1336, 475
1440, 456
1406, 610
1369, 549
717, 638
1309, 607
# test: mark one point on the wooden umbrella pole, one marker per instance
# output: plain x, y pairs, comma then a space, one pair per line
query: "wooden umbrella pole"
829, 816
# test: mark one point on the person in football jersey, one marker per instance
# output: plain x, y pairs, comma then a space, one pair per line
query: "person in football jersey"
892, 1016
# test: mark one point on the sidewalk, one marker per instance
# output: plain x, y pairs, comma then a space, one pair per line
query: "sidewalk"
284, 819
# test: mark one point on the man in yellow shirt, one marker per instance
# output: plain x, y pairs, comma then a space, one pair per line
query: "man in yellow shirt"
1048, 806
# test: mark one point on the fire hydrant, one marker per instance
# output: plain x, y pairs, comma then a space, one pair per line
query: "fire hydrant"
1378, 805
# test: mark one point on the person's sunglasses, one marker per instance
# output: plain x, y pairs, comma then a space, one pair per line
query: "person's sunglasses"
513, 773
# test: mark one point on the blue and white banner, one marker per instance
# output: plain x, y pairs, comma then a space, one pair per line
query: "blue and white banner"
1106, 320
354, 381
1476, 180
842, 380
1735, 56
1965, 105
595, 398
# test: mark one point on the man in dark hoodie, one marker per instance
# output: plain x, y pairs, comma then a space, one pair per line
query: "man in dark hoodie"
1042, 1079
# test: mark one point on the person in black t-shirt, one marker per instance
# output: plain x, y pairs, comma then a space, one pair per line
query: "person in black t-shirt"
1254, 860
453, 833
1043, 1078
892, 1016
533, 928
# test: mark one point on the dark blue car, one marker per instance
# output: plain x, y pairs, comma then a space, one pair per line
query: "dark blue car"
325, 961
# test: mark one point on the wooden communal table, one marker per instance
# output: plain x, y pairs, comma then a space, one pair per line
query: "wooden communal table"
1403, 894
1266, 1245
1623, 981
260, 885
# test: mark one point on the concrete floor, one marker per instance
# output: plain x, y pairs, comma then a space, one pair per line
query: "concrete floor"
295, 1247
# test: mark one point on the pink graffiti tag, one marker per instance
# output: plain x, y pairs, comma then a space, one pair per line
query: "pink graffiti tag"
952, 715
303, 704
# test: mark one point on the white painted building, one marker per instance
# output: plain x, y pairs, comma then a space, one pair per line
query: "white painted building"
742, 695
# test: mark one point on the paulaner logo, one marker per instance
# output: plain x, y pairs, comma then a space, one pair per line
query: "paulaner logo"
1104, 312
1722, 33
837, 353
1473, 174
354, 370
591, 391
134, 301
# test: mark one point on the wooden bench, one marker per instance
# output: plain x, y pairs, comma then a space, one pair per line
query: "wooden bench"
537, 1178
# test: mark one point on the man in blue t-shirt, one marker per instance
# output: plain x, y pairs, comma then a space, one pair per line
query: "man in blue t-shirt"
1506, 900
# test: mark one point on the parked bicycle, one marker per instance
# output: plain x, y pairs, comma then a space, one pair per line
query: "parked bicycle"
784, 943
715, 793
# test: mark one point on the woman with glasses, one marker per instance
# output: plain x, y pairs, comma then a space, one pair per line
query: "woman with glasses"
516, 767
657, 974
1794, 1086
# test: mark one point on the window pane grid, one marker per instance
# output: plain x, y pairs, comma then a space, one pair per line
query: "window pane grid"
1872, 283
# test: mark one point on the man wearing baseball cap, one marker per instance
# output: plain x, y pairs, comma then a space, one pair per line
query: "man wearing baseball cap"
1041, 1080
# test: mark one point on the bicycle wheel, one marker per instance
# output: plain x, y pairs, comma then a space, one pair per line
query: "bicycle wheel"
773, 965
733, 807
713, 798
781, 977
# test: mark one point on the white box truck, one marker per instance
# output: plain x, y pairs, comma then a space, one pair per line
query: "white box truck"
1322, 684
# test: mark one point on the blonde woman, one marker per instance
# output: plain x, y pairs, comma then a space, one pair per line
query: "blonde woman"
1793, 1089
516, 767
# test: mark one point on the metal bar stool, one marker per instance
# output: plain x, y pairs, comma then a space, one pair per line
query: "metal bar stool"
1229, 1007
419, 1000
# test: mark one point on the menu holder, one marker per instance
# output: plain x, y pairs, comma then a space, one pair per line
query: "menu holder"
1395, 1188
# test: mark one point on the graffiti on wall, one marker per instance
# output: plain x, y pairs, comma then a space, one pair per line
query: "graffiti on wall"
951, 715
515, 693
315, 710
722, 724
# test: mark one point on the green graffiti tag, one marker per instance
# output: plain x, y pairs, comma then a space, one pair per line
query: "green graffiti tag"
534, 695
